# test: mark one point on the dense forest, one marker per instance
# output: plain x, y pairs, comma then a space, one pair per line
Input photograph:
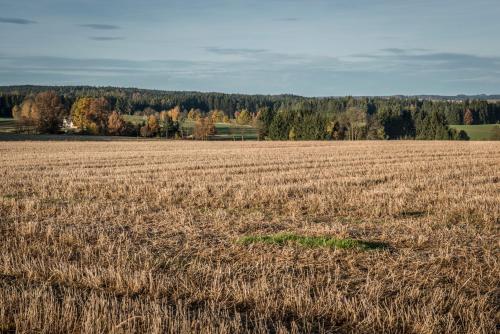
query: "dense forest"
276, 116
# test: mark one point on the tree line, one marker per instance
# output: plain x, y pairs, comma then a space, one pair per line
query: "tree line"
100, 110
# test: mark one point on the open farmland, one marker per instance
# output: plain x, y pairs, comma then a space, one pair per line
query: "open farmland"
7, 125
224, 131
157, 236
480, 132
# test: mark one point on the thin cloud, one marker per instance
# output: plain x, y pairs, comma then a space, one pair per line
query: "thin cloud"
234, 51
15, 20
106, 38
126, 69
263, 58
419, 62
395, 50
287, 19
274, 72
400, 51
100, 26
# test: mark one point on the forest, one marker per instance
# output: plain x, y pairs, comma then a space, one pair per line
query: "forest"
107, 111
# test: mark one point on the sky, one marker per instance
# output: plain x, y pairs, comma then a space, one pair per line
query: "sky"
304, 47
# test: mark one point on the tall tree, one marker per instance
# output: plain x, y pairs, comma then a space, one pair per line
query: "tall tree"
264, 119
194, 114
16, 112
468, 117
80, 112
98, 114
175, 113
49, 112
151, 128
28, 110
168, 126
204, 128
116, 124
90, 115
123, 106
244, 117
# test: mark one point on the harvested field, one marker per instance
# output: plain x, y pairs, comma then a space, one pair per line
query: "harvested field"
143, 237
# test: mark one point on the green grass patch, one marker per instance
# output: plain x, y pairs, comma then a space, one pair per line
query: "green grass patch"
135, 119
8, 125
283, 239
225, 131
7, 328
8, 196
478, 132
13, 126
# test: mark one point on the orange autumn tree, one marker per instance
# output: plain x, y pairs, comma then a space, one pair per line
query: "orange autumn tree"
204, 128
175, 113
468, 117
150, 129
90, 115
116, 124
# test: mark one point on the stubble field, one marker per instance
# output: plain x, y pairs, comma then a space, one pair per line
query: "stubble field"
146, 237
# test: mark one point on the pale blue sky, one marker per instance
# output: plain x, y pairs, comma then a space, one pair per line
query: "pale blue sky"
308, 47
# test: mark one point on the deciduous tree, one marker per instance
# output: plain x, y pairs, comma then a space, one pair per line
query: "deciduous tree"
468, 117
194, 114
150, 129
204, 128
28, 113
49, 112
16, 112
175, 113
116, 124
90, 115
99, 113
244, 117
80, 112
217, 116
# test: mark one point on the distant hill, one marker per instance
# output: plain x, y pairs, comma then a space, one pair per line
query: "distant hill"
27, 89
459, 97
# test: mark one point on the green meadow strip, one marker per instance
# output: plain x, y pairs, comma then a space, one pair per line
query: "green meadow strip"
282, 239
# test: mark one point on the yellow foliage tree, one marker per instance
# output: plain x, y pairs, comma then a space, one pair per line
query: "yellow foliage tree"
90, 115
244, 117
194, 114
16, 112
151, 128
204, 128
79, 113
175, 113
153, 124
116, 124
28, 111
217, 116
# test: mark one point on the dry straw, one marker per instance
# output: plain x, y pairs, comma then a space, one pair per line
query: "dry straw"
141, 237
